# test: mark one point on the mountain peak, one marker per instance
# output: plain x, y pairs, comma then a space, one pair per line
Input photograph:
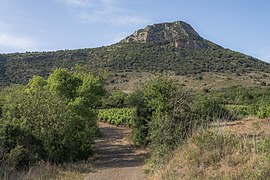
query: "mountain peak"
178, 34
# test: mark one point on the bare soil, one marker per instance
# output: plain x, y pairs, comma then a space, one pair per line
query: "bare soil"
116, 158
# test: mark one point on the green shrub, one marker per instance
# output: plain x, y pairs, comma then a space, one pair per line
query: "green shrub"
210, 109
116, 99
53, 119
164, 116
141, 118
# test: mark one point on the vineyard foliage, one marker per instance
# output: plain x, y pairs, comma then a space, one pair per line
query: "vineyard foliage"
263, 111
245, 101
117, 116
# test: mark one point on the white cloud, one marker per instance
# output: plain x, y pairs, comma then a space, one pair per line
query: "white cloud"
76, 3
87, 3
18, 43
11, 20
116, 19
104, 11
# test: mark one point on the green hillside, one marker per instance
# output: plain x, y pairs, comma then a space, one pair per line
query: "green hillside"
161, 47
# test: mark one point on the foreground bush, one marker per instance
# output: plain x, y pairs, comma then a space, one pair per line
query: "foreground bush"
165, 116
53, 119
167, 113
19, 147
163, 112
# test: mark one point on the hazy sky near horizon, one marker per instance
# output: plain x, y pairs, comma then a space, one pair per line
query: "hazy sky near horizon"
43, 25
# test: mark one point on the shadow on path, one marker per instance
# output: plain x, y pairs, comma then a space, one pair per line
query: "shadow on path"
114, 151
116, 158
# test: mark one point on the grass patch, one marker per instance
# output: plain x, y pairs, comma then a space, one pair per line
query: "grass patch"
45, 170
214, 155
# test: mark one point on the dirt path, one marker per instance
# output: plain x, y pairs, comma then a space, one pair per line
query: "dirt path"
116, 158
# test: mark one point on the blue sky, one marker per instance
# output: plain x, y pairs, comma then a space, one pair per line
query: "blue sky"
43, 25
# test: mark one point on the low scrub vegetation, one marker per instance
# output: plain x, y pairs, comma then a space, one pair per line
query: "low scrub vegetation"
243, 109
130, 57
240, 95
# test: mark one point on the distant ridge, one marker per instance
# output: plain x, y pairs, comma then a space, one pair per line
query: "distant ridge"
174, 47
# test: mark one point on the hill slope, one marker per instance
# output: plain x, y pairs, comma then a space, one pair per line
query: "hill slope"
175, 47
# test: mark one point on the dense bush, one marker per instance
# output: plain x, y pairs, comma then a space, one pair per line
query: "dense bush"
117, 116
116, 99
210, 109
53, 119
163, 103
164, 113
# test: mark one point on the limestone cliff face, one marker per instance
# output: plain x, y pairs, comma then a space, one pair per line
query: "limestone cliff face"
178, 34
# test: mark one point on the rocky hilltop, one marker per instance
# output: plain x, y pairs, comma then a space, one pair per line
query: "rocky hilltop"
178, 34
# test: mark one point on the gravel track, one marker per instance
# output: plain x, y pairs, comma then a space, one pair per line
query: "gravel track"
116, 158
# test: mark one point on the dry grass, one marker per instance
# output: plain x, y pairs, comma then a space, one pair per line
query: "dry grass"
44, 171
224, 152
249, 127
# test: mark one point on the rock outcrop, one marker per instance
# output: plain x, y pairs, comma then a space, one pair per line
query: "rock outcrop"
178, 34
